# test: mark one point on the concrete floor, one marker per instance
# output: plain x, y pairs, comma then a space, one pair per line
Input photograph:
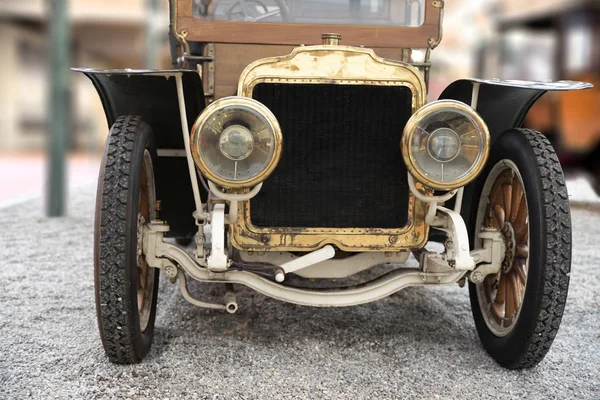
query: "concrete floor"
418, 343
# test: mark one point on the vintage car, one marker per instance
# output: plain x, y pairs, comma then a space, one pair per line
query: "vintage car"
278, 158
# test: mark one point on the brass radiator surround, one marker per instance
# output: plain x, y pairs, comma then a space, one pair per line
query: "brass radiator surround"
344, 65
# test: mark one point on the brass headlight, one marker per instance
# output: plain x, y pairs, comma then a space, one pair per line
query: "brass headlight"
445, 144
236, 142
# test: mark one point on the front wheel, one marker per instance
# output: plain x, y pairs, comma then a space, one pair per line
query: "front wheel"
126, 286
523, 194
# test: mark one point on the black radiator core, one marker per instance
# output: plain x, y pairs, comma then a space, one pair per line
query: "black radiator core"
341, 164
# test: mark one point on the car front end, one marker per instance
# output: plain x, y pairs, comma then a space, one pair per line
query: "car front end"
327, 154
319, 166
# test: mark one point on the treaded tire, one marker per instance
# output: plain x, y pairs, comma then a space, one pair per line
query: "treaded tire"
115, 243
527, 343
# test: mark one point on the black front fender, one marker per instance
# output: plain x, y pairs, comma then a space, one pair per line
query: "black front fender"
502, 105
152, 95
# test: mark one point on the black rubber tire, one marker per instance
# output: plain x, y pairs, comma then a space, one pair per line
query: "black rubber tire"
115, 243
550, 251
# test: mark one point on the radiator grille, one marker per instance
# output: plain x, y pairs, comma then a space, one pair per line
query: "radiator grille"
341, 165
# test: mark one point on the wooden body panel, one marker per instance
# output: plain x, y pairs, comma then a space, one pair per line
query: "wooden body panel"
296, 34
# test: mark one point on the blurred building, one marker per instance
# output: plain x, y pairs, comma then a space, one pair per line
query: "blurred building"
112, 34
557, 39
468, 25
105, 34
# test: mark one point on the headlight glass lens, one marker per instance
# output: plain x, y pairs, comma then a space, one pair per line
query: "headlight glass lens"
235, 142
448, 145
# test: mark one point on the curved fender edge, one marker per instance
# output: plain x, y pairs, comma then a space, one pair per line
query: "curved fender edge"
504, 104
152, 94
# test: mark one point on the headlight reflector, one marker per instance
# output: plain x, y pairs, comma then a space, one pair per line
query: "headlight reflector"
445, 144
236, 142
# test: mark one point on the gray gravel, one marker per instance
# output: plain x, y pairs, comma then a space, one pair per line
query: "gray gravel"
419, 343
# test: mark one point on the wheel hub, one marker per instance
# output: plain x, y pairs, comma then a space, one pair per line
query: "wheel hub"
508, 234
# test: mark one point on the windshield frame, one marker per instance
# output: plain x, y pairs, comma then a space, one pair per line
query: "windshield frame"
184, 23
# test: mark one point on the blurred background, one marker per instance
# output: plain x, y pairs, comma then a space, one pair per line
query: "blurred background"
511, 39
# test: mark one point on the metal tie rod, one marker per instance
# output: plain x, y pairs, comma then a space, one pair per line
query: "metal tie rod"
307, 260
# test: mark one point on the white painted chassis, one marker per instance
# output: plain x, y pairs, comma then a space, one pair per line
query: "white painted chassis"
212, 264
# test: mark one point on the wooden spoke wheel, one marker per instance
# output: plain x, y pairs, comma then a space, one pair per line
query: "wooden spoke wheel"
501, 295
145, 274
522, 194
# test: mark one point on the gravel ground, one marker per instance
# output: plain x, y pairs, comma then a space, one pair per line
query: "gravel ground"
419, 343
